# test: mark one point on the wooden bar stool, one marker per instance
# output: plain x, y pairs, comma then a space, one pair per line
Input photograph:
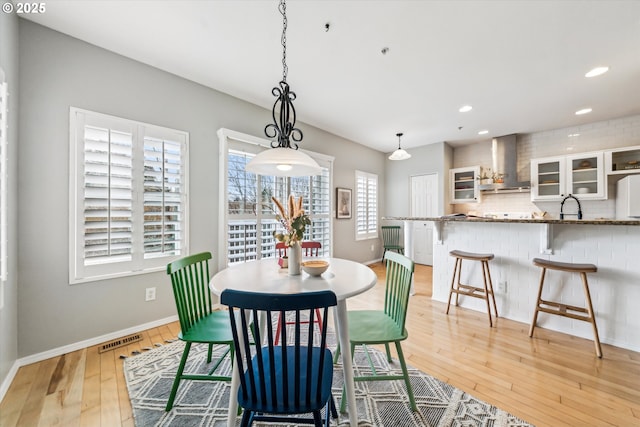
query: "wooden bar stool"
566, 310
485, 293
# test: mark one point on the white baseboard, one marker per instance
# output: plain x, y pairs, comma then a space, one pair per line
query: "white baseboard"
93, 341
55, 352
4, 387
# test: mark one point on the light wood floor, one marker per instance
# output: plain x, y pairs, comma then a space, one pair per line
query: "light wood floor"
551, 380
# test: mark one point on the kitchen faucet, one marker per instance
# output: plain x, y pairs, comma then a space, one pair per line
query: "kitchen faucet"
570, 196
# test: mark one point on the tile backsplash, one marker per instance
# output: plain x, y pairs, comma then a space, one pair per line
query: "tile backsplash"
622, 132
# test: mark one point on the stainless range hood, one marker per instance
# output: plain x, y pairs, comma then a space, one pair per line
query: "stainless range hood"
505, 163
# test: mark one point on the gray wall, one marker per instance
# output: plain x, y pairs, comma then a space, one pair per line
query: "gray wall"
58, 72
433, 158
9, 314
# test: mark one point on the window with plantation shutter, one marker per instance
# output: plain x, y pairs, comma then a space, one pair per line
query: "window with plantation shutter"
250, 217
366, 205
128, 215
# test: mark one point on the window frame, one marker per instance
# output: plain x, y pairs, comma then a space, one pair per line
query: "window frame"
136, 263
370, 231
254, 144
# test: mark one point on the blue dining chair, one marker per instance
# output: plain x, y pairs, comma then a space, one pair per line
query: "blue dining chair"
280, 381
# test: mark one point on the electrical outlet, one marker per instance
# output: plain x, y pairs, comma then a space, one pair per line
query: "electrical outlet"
502, 287
373, 248
150, 294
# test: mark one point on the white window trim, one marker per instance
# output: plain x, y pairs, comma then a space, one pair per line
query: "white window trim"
77, 269
224, 137
371, 234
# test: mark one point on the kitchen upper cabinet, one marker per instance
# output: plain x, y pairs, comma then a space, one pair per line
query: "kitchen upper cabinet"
621, 161
582, 175
464, 184
547, 178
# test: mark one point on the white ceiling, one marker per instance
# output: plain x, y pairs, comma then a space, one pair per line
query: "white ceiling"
520, 64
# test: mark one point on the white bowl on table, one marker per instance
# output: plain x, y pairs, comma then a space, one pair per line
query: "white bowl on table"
315, 267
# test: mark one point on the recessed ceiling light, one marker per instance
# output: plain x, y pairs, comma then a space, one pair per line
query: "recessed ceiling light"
573, 135
597, 71
483, 132
583, 111
465, 108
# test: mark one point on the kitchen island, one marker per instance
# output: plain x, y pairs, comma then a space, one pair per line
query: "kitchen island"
612, 245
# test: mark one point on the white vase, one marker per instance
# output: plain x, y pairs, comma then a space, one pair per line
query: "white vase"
295, 258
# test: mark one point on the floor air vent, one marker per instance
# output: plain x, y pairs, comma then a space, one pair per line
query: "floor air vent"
120, 342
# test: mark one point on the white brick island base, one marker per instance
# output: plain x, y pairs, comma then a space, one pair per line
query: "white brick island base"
615, 288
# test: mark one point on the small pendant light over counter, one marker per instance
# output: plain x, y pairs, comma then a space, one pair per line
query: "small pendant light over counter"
284, 158
399, 154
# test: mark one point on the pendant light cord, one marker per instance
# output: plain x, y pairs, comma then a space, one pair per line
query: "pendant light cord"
283, 10
284, 114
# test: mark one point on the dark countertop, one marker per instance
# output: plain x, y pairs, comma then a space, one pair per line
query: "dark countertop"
526, 221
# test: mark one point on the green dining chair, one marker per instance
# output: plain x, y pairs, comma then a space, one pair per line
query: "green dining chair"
199, 323
391, 239
368, 327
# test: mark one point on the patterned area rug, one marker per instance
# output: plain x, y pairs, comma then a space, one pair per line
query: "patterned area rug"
150, 375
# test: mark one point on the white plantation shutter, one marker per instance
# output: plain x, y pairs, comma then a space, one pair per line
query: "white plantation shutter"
249, 215
108, 194
129, 210
163, 196
366, 205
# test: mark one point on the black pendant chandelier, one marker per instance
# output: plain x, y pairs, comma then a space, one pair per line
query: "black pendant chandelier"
284, 158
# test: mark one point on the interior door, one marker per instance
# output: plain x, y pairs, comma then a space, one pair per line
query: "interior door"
424, 203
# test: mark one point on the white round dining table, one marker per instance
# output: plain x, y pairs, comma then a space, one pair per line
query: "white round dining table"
344, 277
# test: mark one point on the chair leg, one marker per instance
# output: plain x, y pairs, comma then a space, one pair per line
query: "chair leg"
453, 279
493, 298
458, 281
176, 382
332, 404
209, 353
535, 313
246, 419
386, 345
592, 317
405, 372
281, 325
319, 319
485, 272
317, 418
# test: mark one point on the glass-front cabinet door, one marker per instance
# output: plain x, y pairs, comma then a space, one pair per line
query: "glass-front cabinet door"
547, 178
464, 184
622, 161
585, 176
582, 175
